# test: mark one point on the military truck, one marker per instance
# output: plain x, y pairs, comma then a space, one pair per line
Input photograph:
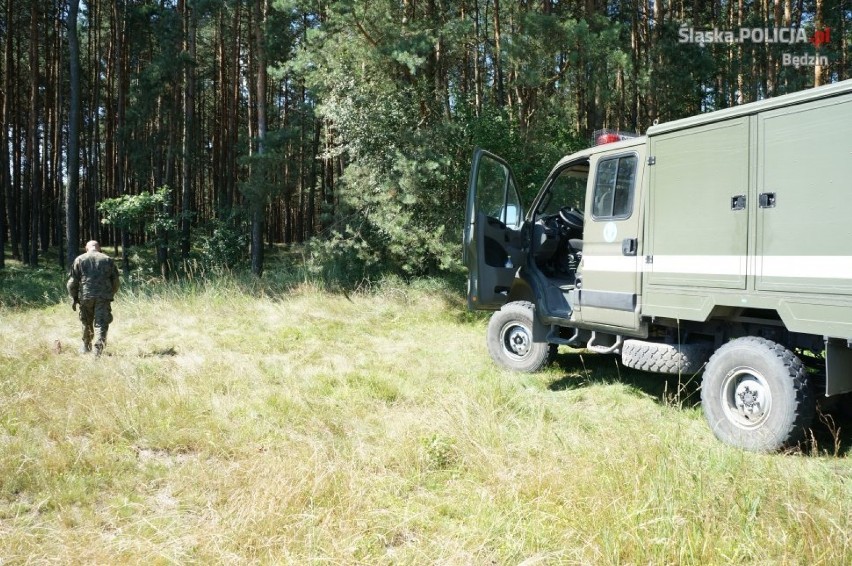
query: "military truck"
717, 246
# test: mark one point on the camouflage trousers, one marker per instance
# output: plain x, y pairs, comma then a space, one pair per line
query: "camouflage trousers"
95, 314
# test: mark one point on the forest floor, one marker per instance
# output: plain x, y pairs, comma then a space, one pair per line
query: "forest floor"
227, 425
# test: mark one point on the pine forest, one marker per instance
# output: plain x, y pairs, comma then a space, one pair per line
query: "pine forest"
344, 128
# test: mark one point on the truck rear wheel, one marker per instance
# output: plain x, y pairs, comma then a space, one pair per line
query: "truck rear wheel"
510, 339
755, 395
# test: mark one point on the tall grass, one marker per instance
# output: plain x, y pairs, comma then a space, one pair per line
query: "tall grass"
232, 421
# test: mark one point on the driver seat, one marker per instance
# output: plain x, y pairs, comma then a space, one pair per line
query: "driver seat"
575, 221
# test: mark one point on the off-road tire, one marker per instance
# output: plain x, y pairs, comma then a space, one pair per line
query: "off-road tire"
756, 396
683, 359
509, 338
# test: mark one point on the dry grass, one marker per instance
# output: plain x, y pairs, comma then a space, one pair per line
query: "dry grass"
227, 428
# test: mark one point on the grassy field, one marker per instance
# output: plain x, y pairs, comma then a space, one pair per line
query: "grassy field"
229, 424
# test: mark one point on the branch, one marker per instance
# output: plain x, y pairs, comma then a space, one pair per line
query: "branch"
363, 31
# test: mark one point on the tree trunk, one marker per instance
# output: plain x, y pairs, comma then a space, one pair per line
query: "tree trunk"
819, 24
328, 174
259, 206
188, 129
72, 210
16, 193
843, 73
119, 164
233, 109
33, 157
92, 139
477, 70
57, 186
5, 177
741, 98
498, 57
311, 212
220, 104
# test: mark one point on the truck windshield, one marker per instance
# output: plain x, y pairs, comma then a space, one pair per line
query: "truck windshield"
567, 189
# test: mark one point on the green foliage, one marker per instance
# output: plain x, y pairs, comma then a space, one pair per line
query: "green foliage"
224, 244
148, 212
401, 198
269, 173
31, 288
392, 214
145, 210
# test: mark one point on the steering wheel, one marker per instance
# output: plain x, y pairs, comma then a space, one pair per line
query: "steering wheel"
571, 217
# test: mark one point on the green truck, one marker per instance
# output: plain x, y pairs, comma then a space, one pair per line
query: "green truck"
718, 245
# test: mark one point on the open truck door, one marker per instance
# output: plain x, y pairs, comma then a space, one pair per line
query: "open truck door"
493, 244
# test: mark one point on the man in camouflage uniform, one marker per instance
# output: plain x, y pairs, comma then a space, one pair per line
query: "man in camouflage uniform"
93, 284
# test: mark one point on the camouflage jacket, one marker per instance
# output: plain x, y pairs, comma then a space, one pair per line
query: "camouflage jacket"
93, 276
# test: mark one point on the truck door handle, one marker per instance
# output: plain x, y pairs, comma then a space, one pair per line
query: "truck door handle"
629, 246
738, 202
767, 200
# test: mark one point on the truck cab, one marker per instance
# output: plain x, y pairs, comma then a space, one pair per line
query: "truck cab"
576, 245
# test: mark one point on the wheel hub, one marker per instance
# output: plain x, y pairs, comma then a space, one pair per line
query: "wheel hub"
516, 341
748, 400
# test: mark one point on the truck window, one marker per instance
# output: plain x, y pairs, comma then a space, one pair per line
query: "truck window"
613, 197
496, 193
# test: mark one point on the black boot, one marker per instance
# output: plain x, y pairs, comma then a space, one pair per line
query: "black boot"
86, 347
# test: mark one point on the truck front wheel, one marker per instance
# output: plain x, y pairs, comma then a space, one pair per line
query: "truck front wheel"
755, 395
510, 339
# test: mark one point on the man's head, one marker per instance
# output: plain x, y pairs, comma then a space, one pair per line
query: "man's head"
93, 246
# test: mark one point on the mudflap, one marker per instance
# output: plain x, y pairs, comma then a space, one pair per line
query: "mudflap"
539, 331
838, 367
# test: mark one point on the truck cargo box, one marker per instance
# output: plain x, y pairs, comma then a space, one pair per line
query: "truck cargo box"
752, 207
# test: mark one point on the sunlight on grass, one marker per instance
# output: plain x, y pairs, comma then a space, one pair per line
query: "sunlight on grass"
225, 425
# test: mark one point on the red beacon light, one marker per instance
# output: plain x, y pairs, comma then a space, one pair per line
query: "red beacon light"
601, 137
